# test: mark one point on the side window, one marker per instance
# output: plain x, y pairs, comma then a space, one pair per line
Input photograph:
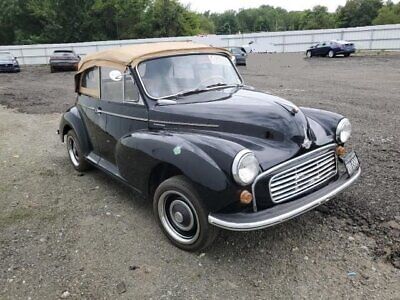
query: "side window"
111, 85
90, 82
118, 87
323, 44
131, 90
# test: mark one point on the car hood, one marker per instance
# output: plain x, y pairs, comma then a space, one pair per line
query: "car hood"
253, 119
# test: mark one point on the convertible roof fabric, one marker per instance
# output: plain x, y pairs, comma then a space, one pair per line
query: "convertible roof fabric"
132, 55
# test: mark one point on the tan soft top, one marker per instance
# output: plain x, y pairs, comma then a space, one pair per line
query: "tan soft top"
122, 57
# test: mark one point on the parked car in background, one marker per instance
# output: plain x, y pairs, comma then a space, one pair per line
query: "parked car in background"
240, 55
331, 49
64, 60
176, 122
8, 63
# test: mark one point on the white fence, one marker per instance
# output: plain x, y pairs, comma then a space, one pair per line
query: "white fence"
382, 37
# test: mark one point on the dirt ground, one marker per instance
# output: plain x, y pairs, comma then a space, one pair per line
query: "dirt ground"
69, 235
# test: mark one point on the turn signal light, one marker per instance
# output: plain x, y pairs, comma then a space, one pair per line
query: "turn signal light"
246, 197
340, 151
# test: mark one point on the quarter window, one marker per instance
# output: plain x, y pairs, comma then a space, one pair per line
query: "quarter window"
90, 82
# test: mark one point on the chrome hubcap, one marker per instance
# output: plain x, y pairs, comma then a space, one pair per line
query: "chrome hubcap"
178, 217
73, 151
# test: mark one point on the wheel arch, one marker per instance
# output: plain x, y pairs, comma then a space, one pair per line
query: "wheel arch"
71, 119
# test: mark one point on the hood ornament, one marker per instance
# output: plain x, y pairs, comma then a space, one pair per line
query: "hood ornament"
307, 142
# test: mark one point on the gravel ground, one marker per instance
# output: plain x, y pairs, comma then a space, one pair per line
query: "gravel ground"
69, 235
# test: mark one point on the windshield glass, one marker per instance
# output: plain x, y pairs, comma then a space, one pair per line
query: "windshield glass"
5, 56
169, 76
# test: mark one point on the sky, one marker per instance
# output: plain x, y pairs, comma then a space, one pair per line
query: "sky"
222, 5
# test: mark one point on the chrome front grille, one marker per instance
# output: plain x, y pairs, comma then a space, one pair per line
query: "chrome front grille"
303, 177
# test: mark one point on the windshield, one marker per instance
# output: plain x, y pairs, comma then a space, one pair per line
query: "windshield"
5, 56
171, 76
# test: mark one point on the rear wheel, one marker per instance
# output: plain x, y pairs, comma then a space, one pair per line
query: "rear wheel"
180, 213
331, 53
52, 70
75, 153
347, 55
309, 54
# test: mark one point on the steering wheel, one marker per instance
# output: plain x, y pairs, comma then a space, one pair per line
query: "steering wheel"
211, 80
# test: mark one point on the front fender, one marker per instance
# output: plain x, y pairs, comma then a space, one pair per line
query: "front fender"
72, 119
323, 124
205, 160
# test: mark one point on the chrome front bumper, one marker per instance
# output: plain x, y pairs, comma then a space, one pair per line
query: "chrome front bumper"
282, 212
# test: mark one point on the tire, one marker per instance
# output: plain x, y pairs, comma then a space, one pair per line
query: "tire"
181, 215
347, 55
52, 70
309, 54
331, 54
75, 153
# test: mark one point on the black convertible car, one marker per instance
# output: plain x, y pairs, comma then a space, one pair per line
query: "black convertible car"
175, 122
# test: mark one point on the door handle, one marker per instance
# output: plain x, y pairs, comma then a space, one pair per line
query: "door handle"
98, 110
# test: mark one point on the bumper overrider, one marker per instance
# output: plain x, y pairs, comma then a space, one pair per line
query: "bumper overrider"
247, 221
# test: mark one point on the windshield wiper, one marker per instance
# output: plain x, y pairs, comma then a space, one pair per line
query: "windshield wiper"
221, 84
185, 93
201, 90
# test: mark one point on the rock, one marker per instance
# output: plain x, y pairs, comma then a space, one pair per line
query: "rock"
65, 294
201, 255
351, 239
121, 287
133, 268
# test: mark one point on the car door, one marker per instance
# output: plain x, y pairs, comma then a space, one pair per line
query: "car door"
324, 49
88, 104
124, 108
314, 50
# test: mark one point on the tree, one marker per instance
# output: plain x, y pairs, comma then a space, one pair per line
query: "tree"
317, 18
358, 13
388, 14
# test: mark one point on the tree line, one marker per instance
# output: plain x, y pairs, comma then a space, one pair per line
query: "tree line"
63, 21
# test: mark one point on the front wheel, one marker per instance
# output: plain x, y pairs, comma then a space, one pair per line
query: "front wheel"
347, 55
331, 54
180, 213
309, 54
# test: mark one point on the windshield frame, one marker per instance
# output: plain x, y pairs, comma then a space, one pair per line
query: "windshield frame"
185, 54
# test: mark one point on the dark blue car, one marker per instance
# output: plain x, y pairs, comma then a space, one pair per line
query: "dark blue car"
331, 49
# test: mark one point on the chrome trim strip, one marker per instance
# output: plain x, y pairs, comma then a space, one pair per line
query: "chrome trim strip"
284, 217
185, 124
123, 116
158, 122
88, 107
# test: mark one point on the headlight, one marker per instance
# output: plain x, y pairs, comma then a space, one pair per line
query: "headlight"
245, 167
343, 131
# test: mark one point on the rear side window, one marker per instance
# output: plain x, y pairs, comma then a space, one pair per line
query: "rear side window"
90, 82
